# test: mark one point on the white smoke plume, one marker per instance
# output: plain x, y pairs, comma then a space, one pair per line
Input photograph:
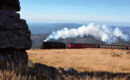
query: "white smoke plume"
103, 33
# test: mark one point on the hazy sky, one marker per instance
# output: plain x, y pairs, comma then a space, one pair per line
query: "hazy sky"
75, 10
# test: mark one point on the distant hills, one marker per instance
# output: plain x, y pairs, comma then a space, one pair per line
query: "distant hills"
41, 28
37, 28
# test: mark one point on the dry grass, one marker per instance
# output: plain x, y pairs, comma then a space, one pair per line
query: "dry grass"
13, 75
84, 59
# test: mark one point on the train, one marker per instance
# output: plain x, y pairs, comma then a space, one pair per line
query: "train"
53, 45
62, 45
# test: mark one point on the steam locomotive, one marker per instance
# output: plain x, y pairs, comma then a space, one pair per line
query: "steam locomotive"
53, 45
62, 45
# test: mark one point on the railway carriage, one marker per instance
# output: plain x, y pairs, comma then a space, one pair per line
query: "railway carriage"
62, 45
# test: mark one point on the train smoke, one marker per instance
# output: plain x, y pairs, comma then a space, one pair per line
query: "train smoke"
103, 33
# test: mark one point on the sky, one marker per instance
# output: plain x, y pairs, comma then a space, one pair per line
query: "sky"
76, 11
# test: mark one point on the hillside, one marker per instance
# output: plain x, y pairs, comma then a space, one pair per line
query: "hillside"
42, 28
109, 60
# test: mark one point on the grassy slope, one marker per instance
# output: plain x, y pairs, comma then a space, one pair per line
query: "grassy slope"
84, 59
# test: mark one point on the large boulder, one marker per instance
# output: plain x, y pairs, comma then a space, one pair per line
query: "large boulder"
14, 34
14, 31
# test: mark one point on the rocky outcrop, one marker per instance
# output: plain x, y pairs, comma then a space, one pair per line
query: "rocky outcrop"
14, 33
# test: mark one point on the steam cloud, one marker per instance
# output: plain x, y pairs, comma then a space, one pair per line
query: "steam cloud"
103, 33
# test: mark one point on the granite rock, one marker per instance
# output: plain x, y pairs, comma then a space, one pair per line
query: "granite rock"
14, 31
14, 34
